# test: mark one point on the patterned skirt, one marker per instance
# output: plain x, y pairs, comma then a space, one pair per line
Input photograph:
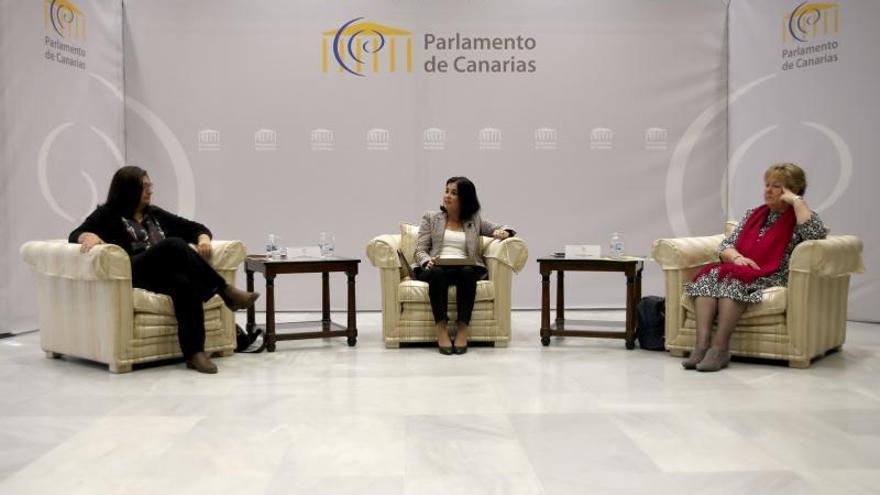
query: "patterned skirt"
708, 285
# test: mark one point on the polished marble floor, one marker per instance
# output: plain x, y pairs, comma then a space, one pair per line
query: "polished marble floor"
583, 416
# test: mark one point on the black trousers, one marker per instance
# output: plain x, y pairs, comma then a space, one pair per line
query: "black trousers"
173, 268
464, 278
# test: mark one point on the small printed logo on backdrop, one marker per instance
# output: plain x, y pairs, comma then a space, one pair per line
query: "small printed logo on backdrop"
655, 138
378, 140
66, 33
434, 139
265, 140
545, 138
209, 140
489, 138
359, 47
809, 35
601, 138
321, 139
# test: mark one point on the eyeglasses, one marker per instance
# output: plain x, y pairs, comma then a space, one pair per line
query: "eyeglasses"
148, 186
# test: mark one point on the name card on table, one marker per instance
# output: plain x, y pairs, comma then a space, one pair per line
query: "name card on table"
303, 252
583, 251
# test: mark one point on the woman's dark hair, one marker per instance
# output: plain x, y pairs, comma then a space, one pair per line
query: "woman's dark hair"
125, 191
467, 197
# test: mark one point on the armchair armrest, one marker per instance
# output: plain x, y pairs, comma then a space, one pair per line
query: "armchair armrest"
64, 260
835, 256
227, 255
382, 251
511, 252
686, 252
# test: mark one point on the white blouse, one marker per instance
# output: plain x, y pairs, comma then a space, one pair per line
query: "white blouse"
453, 244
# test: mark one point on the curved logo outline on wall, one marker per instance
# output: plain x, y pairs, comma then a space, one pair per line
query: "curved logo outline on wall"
678, 162
807, 15
63, 15
682, 151
843, 154
43, 175
186, 189
364, 38
179, 161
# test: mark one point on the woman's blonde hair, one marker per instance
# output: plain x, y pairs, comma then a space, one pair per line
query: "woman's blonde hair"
792, 176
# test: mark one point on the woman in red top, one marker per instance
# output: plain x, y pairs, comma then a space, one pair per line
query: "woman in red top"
753, 257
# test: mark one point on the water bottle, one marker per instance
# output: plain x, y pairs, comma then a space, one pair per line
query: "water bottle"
616, 245
271, 247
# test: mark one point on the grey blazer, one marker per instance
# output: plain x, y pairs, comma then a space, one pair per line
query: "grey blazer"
433, 227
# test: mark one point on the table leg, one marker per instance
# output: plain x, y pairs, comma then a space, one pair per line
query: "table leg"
560, 299
352, 312
251, 312
325, 301
638, 284
545, 307
270, 312
631, 300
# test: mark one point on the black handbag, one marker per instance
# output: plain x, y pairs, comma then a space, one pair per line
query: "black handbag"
244, 340
651, 323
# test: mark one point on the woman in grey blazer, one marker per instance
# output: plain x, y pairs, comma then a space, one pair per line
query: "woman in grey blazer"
453, 233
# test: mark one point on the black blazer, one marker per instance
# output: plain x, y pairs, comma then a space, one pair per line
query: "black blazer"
109, 227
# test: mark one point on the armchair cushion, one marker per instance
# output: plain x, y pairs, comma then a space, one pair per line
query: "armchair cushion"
835, 256
58, 258
774, 300
406, 271
152, 326
409, 234
417, 291
145, 301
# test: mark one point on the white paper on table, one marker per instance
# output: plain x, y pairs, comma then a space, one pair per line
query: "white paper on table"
583, 251
303, 252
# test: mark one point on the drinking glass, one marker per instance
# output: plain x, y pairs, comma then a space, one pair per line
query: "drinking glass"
328, 244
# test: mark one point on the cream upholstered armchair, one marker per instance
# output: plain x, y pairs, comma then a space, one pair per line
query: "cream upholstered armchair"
406, 309
797, 323
88, 308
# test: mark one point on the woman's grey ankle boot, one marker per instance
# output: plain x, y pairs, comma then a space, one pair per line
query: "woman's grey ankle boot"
714, 360
696, 356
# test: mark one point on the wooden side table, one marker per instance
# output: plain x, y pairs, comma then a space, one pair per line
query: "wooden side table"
631, 266
270, 268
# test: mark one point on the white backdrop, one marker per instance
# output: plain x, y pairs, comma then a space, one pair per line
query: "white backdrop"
813, 102
618, 123
61, 130
235, 68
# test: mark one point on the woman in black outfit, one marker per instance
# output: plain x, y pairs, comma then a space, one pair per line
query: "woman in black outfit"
454, 233
161, 259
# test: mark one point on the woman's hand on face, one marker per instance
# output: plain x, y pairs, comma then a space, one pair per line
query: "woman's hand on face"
204, 246
89, 240
501, 234
788, 196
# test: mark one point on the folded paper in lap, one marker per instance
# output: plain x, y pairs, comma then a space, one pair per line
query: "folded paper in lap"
455, 262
